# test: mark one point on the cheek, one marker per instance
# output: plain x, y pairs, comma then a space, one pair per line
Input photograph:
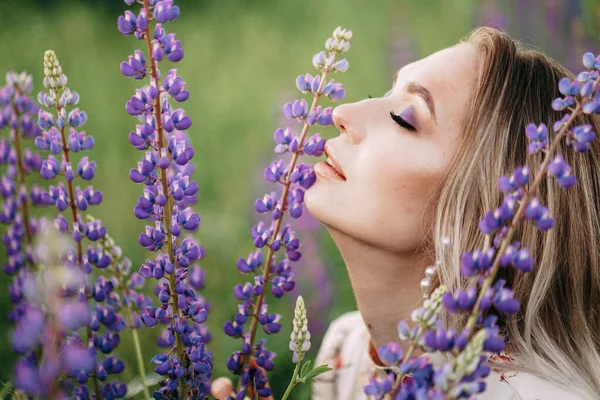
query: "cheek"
396, 196
407, 181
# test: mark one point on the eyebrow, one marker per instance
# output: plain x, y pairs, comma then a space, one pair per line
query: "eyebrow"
421, 91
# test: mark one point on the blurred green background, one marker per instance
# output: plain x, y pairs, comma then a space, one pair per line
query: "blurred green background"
241, 60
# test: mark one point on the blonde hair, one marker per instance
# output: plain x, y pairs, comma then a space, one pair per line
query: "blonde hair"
556, 333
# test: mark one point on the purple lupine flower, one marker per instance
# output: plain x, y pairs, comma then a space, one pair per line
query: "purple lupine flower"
54, 138
581, 137
539, 214
101, 317
538, 137
165, 171
136, 66
477, 262
379, 388
18, 113
562, 172
274, 236
390, 353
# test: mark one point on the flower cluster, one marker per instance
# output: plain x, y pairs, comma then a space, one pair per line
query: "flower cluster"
275, 236
18, 113
300, 338
299, 345
92, 305
122, 296
46, 334
462, 376
168, 191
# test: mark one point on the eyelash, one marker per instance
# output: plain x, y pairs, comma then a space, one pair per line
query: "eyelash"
385, 95
400, 121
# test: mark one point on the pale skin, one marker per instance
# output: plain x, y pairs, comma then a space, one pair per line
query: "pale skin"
376, 213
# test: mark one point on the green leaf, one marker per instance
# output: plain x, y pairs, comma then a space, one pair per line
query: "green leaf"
317, 371
135, 386
305, 368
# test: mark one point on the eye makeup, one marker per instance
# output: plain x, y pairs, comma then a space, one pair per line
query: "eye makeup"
406, 118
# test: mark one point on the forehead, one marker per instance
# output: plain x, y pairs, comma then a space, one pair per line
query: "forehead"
456, 63
448, 74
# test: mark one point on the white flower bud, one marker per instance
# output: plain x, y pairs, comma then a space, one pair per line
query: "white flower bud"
300, 337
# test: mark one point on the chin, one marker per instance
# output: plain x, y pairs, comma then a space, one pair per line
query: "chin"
318, 201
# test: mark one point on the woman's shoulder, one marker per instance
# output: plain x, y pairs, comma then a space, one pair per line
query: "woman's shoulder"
345, 348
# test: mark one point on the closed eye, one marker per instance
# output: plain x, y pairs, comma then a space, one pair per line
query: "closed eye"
400, 121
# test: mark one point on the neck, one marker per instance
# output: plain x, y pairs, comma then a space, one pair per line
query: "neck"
385, 283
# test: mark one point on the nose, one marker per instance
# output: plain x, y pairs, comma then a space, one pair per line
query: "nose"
344, 118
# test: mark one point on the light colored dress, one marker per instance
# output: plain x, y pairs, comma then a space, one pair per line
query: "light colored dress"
346, 348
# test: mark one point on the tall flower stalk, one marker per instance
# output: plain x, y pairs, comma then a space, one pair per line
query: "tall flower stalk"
18, 112
294, 179
165, 171
133, 301
299, 345
82, 312
462, 376
46, 334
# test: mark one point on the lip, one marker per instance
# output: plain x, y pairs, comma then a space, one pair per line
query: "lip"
323, 169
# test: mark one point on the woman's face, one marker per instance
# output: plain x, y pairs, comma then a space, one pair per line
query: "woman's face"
390, 164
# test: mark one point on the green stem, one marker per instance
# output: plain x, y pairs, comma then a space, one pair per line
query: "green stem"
140, 361
293, 382
136, 339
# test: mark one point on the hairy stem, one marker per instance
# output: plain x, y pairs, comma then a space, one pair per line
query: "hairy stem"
270, 252
72, 204
168, 209
293, 382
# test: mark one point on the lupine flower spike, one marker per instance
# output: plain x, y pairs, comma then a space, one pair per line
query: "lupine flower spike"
168, 190
50, 321
275, 236
18, 113
462, 376
95, 305
299, 345
121, 295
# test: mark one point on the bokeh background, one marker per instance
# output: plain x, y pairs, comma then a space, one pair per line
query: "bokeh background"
241, 60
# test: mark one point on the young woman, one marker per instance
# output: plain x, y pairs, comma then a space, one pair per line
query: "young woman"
406, 184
